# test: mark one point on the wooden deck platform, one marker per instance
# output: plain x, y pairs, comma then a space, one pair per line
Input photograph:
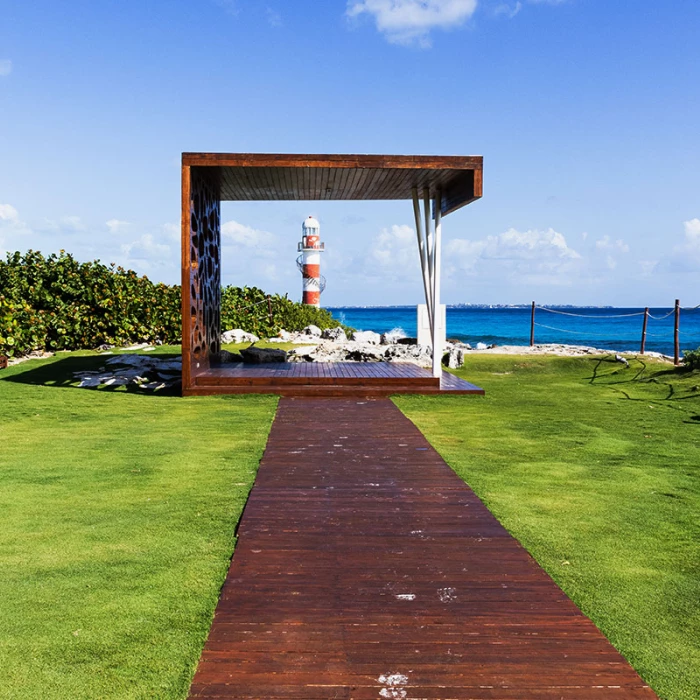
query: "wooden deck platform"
365, 568
362, 379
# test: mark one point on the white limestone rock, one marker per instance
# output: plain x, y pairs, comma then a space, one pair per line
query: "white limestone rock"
312, 330
454, 358
369, 337
337, 335
238, 335
282, 337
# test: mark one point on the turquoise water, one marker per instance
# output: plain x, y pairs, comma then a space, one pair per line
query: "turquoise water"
511, 326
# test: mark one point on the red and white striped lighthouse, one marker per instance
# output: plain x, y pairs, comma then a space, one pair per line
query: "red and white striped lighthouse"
309, 262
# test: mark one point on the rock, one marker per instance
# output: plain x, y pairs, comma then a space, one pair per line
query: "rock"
369, 337
337, 335
454, 359
619, 358
131, 360
282, 337
259, 356
104, 346
238, 336
392, 336
138, 370
365, 353
305, 354
312, 330
407, 341
225, 356
301, 339
417, 354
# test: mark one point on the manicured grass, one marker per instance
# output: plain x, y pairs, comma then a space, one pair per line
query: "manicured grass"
118, 518
596, 470
119, 508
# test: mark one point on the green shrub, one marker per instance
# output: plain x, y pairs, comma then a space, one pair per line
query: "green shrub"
691, 358
250, 309
58, 303
21, 329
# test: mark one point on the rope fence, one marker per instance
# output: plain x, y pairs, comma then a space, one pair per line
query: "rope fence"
646, 317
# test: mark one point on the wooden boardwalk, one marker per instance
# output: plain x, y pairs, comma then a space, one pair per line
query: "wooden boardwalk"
327, 379
365, 568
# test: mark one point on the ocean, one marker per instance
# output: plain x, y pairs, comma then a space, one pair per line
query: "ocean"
606, 328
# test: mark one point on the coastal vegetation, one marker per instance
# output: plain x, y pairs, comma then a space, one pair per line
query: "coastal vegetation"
57, 303
119, 512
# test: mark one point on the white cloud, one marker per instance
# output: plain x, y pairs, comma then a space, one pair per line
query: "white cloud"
685, 257
14, 233
647, 267
115, 225
72, 223
411, 21
618, 246
145, 249
256, 257
230, 6
393, 254
156, 253
247, 236
692, 232
5, 67
542, 257
172, 231
8, 213
274, 18
508, 10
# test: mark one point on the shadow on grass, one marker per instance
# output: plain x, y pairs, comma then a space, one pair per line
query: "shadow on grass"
61, 374
640, 378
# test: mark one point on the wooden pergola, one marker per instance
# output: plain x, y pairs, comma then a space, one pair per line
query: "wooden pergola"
437, 186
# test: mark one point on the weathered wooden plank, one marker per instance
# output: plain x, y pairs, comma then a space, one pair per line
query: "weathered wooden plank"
365, 568
327, 379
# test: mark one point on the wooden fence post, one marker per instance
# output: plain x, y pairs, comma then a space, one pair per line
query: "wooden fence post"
269, 308
532, 325
644, 330
676, 341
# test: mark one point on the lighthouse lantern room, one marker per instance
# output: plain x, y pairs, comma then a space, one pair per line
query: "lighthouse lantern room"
309, 262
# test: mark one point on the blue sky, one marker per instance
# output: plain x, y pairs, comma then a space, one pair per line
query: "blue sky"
587, 114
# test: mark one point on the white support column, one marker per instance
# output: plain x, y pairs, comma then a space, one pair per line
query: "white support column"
437, 268
424, 257
429, 237
430, 246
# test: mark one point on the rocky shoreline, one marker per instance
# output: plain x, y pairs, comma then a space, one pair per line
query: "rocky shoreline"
333, 345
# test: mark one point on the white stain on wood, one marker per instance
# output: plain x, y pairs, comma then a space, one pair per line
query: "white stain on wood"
447, 595
394, 683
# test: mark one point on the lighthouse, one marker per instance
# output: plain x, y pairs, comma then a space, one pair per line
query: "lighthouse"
309, 262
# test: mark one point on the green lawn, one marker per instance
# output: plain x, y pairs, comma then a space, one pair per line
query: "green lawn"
118, 516
596, 470
119, 509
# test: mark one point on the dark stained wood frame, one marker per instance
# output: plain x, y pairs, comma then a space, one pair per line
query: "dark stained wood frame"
210, 178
